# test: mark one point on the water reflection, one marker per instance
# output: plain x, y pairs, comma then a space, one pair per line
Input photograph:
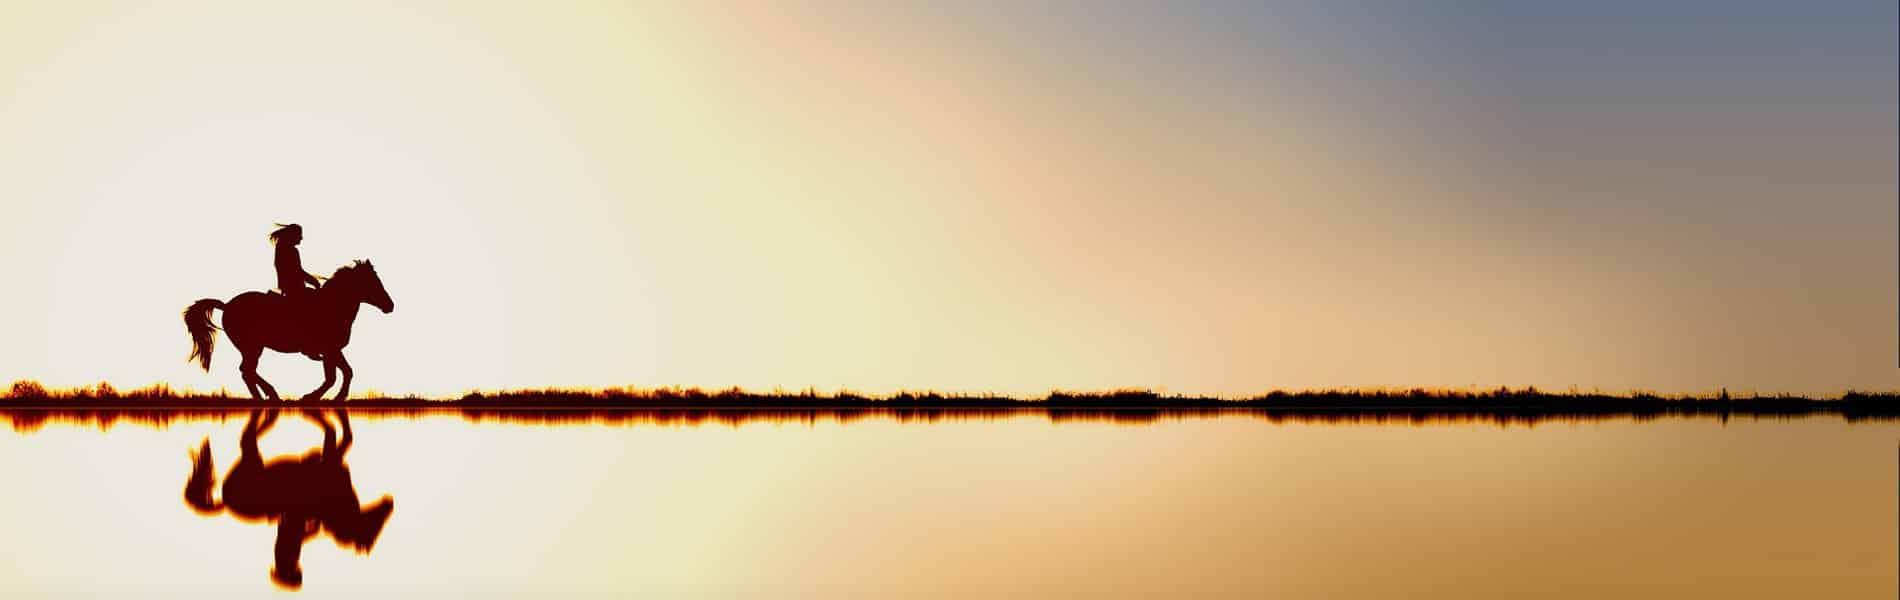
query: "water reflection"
1233, 503
26, 420
305, 495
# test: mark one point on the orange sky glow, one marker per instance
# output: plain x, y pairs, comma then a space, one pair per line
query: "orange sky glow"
603, 195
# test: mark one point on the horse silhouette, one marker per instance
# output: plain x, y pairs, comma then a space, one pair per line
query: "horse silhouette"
318, 326
305, 495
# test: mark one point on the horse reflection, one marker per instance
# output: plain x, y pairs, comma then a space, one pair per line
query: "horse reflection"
305, 495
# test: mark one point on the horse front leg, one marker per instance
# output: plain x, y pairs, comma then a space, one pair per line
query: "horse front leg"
343, 364
329, 377
329, 433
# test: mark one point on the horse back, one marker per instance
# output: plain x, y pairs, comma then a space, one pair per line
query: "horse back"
267, 319
255, 302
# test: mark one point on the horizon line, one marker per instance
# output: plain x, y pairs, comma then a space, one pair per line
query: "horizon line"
27, 389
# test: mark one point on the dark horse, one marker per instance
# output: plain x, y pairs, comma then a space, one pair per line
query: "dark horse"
258, 320
305, 495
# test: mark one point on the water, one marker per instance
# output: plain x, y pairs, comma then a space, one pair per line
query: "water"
999, 506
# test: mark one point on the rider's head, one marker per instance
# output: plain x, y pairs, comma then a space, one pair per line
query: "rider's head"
285, 571
289, 576
289, 547
287, 234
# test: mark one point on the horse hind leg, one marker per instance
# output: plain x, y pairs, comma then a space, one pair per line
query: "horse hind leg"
248, 371
248, 368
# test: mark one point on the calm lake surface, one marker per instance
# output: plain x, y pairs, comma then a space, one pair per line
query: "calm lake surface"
1020, 506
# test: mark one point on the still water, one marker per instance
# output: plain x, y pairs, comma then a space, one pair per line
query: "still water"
1000, 506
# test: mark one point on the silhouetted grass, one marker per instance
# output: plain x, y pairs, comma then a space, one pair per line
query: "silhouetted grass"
27, 405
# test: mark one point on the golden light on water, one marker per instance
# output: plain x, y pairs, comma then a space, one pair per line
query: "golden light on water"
1077, 509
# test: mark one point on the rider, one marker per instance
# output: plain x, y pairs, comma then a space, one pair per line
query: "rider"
291, 278
290, 274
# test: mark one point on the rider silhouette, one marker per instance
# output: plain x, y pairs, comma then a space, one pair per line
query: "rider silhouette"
297, 321
290, 274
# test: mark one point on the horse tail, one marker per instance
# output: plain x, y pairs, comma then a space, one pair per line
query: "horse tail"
198, 322
198, 487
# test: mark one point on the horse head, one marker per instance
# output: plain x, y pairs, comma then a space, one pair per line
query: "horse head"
359, 282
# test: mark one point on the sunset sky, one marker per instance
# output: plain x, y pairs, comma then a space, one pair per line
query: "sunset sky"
1205, 198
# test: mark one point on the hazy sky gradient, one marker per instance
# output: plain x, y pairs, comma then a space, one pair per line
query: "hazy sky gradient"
1216, 198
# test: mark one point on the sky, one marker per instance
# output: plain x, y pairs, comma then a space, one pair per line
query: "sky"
1209, 198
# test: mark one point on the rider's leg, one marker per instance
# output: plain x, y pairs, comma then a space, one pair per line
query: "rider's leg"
302, 301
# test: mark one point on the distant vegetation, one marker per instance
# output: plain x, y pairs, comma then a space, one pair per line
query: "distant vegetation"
27, 403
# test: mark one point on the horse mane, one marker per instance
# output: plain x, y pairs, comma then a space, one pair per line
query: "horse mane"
350, 270
347, 270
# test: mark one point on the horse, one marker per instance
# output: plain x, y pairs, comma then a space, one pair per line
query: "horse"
317, 326
305, 495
